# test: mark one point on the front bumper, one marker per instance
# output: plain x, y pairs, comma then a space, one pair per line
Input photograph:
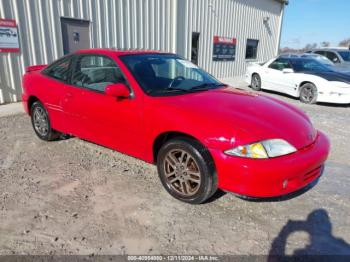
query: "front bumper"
337, 98
271, 177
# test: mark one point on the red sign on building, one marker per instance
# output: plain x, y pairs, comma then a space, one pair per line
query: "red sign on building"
224, 48
8, 36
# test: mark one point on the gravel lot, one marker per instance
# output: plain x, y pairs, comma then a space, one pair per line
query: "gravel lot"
74, 197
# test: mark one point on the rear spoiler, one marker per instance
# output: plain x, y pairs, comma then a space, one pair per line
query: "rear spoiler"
34, 68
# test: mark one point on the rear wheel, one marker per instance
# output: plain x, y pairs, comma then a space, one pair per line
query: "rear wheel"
256, 82
187, 170
41, 122
308, 93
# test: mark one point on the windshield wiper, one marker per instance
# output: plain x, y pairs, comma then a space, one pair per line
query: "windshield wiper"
207, 86
202, 87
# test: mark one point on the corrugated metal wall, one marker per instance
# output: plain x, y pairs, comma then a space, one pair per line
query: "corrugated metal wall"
146, 24
151, 24
241, 19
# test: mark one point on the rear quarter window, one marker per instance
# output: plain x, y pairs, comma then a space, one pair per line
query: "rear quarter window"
59, 70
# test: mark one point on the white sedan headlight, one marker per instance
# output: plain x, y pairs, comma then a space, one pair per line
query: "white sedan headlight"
264, 149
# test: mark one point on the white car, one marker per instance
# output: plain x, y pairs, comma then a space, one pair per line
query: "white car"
305, 78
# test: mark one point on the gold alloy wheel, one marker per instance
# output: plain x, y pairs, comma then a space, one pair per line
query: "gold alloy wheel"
182, 172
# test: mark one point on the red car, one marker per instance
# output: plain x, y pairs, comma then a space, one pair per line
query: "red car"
158, 107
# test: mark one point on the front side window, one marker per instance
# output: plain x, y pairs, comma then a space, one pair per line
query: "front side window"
95, 72
164, 74
320, 53
333, 57
280, 64
59, 70
252, 49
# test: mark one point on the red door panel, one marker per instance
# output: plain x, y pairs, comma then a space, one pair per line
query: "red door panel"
105, 120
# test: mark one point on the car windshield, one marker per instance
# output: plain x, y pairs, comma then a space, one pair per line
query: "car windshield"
164, 74
300, 65
345, 55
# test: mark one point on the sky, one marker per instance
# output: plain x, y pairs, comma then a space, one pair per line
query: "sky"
315, 21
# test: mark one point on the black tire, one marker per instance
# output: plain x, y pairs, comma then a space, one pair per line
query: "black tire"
42, 126
256, 82
308, 93
198, 157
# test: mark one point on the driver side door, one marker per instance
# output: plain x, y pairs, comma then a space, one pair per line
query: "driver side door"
277, 79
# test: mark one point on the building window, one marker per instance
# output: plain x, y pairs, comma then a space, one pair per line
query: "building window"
252, 49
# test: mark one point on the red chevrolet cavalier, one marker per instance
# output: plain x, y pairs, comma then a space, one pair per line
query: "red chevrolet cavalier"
201, 133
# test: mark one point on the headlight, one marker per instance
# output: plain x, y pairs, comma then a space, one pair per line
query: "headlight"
263, 149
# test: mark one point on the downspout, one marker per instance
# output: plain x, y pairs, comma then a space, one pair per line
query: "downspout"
280, 30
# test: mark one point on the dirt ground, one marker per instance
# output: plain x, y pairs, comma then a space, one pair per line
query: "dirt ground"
74, 197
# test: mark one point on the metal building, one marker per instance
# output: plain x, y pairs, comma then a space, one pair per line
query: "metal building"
221, 36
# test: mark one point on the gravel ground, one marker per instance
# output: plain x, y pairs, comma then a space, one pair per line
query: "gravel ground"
74, 197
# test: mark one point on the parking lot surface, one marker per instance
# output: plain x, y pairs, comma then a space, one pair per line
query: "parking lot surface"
74, 197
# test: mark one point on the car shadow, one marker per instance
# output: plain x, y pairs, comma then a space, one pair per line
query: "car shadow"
218, 194
322, 246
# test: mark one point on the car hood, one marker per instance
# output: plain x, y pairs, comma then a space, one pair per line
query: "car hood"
252, 116
331, 76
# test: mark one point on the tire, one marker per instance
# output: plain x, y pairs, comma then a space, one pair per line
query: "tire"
186, 170
256, 82
308, 93
41, 122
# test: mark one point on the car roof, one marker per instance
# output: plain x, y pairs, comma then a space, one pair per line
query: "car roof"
118, 51
297, 58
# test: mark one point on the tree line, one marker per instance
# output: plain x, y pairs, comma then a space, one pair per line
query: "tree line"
343, 43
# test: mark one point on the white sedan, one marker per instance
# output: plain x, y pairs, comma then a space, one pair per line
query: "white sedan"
305, 78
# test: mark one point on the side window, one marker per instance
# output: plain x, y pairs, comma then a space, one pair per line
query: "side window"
280, 64
333, 57
60, 70
252, 49
96, 72
320, 53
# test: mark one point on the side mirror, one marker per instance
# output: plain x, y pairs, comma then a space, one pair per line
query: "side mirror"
335, 60
287, 70
119, 90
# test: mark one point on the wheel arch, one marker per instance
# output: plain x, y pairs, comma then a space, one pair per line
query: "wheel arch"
31, 100
166, 136
303, 83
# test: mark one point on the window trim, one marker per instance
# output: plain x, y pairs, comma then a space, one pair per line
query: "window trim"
257, 51
73, 64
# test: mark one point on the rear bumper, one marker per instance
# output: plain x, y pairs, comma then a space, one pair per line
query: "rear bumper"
271, 177
25, 103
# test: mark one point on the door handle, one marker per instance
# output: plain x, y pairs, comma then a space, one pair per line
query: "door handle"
69, 95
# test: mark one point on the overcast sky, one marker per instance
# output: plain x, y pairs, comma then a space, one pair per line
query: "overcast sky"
315, 21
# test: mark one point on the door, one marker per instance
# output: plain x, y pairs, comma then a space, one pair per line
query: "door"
75, 34
97, 117
58, 75
195, 48
278, 80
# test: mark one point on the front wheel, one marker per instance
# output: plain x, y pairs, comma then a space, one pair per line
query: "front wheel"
187, 170
308, 93
41, 122
256, 82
